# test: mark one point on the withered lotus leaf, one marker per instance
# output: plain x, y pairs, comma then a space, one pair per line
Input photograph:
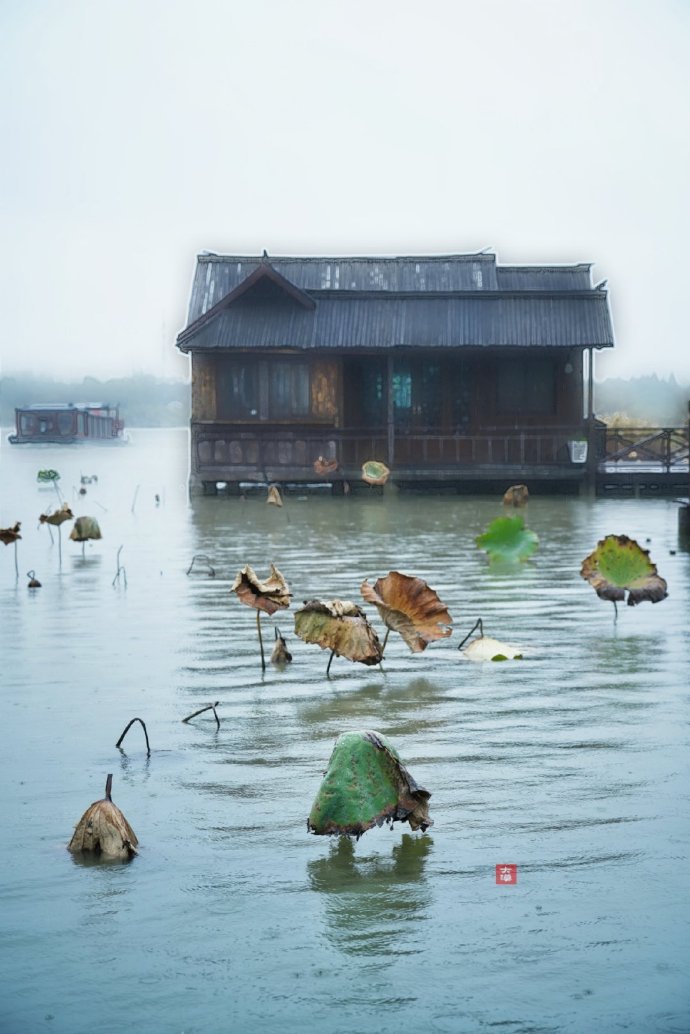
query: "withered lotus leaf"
104, 830
366, 784
323, 466
57, 518
516, 495
339, 626
619, 565
274, 497
270, 595
85, 528
409, 606
8, 535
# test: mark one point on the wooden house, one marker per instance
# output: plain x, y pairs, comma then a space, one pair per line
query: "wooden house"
453, 370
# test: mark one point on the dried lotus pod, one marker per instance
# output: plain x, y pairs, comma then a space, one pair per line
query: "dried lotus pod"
104, 830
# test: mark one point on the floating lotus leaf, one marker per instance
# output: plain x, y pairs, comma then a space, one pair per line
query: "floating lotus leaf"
59, 517
619, 565
375, 473
323, 467
85, 528
484, 648
507, 539
408, 605
366, 784
274, 497
516, 495
269, 596
8, 535
104, 830
339, 626
47, 476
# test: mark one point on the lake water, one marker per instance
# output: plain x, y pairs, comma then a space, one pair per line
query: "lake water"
571, 764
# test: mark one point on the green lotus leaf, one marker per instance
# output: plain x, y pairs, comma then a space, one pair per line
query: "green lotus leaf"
375, 473
619, 565
366, 784
508, 540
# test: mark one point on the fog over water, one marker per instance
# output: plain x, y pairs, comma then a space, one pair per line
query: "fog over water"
571, 764
137, 135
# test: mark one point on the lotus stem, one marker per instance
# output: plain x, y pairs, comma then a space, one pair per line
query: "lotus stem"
148, 748
615, 611
202, 559
385, 640
134, 501
16, 563
209, 707
109, 786
328, 668
59, 545
261, 642
477, 625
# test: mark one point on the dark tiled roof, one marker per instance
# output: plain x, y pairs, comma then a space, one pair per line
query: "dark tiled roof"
439, 302
372, 321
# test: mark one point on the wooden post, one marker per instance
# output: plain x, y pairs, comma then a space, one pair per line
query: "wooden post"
390, 418
591, 472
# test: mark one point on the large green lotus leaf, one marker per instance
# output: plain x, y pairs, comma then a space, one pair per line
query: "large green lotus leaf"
270, 595
407, 605
85, 528
375, 472
366, 784
508, 540
619, 565
340, 626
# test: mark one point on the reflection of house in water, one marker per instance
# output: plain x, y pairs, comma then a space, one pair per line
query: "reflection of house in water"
373, 903
450, 369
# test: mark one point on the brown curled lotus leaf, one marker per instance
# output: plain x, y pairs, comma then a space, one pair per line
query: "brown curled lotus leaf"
274, 497
619, 565
104, 830
85, 528
324, 467
8, 535
516, 495
270, 595
339, 626
409, 606
365, 785
57, 518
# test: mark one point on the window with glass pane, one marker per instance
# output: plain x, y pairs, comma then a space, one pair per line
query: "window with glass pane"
526, 386
288, 390
237, 389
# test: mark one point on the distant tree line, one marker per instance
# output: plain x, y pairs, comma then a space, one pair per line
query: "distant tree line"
649, 401
148, 401
145, 400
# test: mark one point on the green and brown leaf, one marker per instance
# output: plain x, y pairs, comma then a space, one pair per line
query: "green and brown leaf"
619, 565
339, 626
270, 595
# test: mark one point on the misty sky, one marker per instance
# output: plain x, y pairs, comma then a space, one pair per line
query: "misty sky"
137, 133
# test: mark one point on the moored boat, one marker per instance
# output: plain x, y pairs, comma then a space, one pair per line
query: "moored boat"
67, 423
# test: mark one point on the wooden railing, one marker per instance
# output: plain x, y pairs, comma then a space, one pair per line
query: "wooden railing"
662, 448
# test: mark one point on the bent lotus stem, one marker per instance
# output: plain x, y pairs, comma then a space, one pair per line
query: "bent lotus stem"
477, 625
129, 726
330, 659
209, 707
